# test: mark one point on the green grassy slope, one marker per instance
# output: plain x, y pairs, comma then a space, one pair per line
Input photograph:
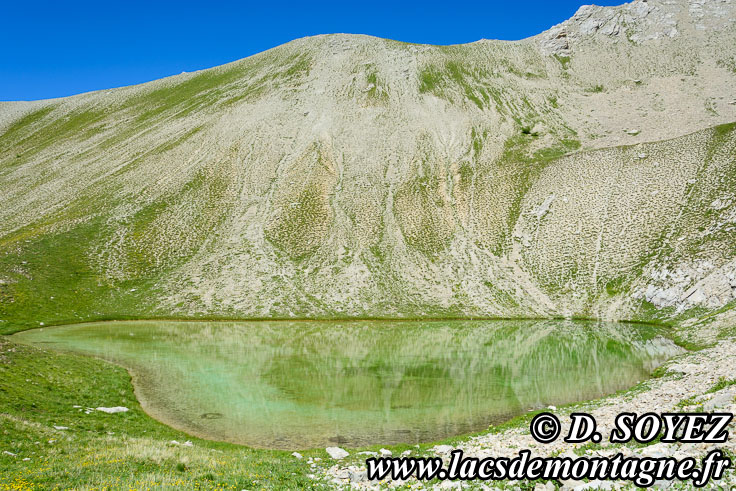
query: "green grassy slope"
38, 391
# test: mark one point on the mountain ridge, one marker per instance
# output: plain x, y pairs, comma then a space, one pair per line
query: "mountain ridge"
350, 176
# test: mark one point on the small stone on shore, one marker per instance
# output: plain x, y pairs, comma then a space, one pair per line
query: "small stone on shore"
336, 453
113, 410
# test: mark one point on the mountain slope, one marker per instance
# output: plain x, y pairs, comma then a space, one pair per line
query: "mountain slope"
585, 171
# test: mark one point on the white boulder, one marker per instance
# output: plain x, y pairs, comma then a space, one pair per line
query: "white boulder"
113, 410
336, 453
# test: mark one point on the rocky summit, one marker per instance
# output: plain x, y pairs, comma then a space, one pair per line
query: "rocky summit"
588, 171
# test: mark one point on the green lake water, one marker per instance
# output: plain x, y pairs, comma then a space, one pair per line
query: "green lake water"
302, 384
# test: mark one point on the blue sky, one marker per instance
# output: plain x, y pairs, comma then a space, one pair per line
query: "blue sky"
53, 49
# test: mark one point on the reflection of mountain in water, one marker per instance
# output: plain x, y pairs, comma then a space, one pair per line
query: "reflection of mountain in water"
524, 364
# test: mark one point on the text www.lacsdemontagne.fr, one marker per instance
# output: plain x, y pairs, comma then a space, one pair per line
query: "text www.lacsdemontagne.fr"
642, 471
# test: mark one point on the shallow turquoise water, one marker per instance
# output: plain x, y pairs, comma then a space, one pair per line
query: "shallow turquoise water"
293, 385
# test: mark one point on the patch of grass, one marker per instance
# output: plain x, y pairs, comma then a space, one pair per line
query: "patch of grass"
646, 311
377, 91
22, 129
300, 226
564, 61
219, 86
424, 221
723, 130
721, 384
687, 344
478, 140
39, 389
688, 403
563, 147
51, 278
430, 80
729, 64
33, 134
617, 286
453, 76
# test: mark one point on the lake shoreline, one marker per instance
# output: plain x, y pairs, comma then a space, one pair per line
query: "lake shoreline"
494, 397
694, 381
